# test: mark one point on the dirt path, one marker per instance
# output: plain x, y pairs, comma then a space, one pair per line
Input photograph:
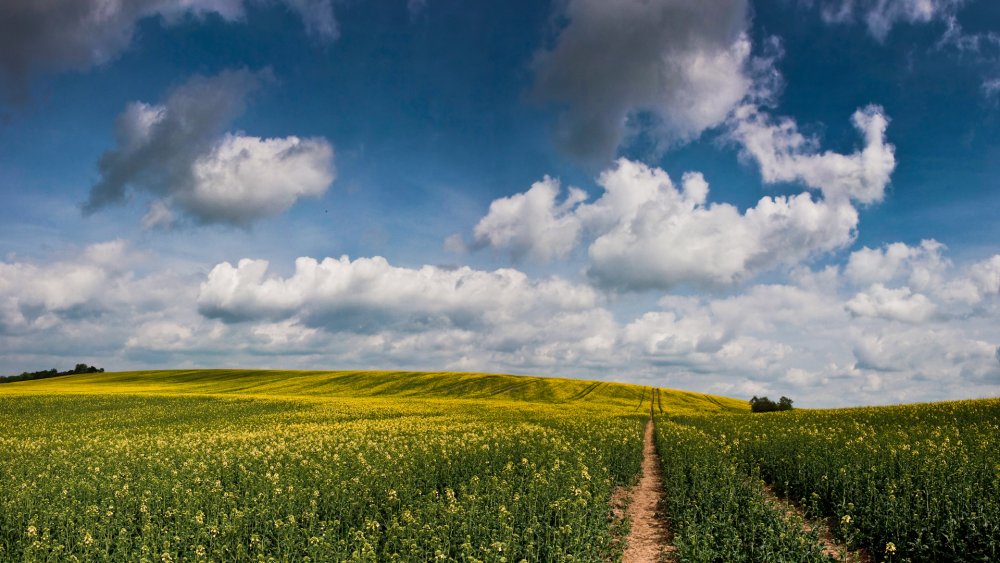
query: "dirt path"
831, 547
649, 538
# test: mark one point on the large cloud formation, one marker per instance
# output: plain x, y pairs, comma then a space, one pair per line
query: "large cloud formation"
40, 36
95, 305
685, 62
176, 151
645, 232
889, 340
354, 295
851, 329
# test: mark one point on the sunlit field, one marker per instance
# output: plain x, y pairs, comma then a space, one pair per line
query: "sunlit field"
225, 465
381, 466
905, 483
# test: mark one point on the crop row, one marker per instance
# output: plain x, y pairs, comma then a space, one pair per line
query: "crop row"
717, 512
168, 479
910, 483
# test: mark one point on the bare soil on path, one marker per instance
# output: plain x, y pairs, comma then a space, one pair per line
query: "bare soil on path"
831, 547
649, 536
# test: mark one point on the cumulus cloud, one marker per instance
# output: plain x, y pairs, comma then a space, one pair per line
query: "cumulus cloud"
899, 304
985, 275
369, 293
533, 223
646, 232
177, 152
673, 237
499, 318
939, 355
785, 155
107, 304
56, 35
245, 178
881, 15
925, 268
810, 337
815, 332
34, 296
687, 63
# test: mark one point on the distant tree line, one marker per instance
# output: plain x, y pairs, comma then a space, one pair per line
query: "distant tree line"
763, 404
27, 376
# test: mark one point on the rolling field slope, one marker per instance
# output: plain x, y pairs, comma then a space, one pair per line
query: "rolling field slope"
251, 465
384, 384
237, 465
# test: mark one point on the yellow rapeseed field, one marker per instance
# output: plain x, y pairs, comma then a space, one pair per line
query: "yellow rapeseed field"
231, 465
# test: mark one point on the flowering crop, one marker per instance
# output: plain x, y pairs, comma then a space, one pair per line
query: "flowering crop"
717, 511
908, 483
129, 474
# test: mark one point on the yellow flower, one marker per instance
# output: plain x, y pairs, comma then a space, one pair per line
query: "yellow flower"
890, 547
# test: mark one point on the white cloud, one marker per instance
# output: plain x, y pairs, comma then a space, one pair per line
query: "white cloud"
107, 305
804, 338
686, 62
986, 276
672, 238
177, 152
426, 316
160, 336
925, 269
42, 37
532, 223
899, 304
34, 296
110, 306
809, 342
941, 355
645, 232
881, 15
897, 260
317, 16
369, 294
785, 155
244, 178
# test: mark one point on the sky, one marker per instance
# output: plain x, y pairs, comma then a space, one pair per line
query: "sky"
782, 197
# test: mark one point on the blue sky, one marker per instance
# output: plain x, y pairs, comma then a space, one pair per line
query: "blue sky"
786, 197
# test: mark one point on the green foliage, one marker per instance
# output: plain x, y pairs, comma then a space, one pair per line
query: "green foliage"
45, 374
908, 483
763, 404
718, 512
130, 477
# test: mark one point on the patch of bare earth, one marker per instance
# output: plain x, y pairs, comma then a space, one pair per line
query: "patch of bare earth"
838, 551
649, 536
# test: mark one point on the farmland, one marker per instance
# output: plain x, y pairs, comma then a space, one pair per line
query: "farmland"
221, 465
906, 483
381, 466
